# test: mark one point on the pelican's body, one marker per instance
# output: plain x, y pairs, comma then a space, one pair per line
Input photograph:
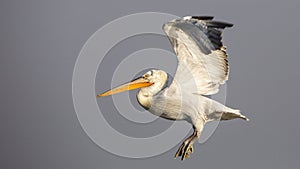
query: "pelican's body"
202, 67
176, 104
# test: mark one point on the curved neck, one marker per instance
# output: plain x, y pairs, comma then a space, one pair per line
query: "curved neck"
146, 94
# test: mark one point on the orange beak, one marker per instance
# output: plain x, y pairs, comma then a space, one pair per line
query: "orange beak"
135, 84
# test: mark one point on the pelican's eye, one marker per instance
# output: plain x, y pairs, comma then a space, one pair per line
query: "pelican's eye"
146, 75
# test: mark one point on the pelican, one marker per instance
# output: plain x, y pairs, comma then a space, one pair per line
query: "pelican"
202, 68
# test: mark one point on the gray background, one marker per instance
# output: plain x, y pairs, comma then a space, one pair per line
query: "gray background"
40, 41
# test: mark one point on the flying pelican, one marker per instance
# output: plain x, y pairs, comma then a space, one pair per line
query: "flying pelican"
202, 68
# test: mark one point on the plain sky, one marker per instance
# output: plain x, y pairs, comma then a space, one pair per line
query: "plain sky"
41, 40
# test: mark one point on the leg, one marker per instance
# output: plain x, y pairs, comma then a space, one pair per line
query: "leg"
186, 148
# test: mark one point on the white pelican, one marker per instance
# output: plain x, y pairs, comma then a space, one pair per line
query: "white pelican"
202, 67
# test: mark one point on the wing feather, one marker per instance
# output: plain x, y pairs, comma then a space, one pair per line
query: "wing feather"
202, 58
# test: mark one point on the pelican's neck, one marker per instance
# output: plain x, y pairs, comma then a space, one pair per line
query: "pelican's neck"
146, 94
144, 99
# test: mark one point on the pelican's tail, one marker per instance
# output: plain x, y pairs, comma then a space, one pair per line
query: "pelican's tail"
232, 114
222, 112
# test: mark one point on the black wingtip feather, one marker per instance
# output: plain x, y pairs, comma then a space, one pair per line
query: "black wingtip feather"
203, 17
218, 24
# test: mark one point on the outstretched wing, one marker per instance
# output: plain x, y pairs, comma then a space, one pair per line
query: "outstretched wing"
202, 58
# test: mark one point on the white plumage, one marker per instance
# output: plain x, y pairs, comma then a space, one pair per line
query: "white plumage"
202, 68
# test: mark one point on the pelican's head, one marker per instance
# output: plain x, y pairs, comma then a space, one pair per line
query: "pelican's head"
150, 83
